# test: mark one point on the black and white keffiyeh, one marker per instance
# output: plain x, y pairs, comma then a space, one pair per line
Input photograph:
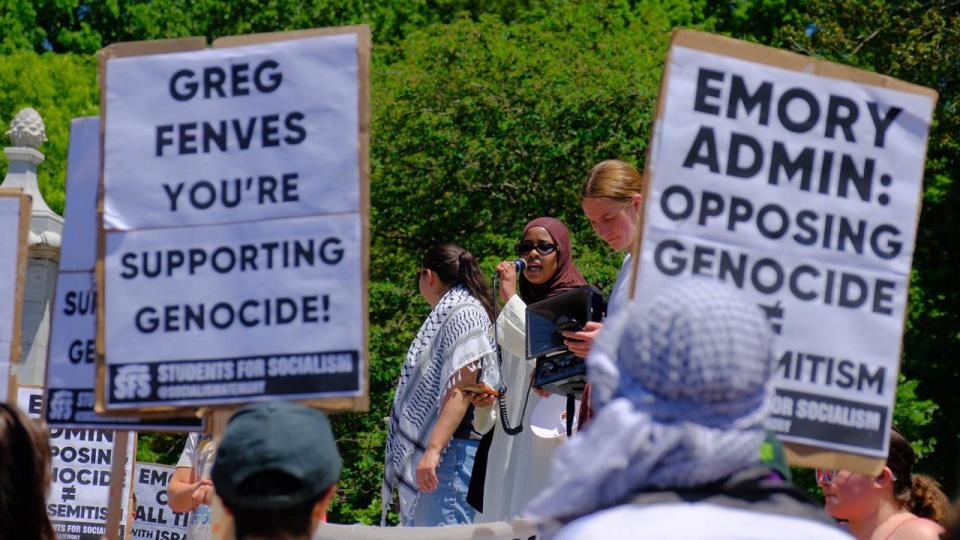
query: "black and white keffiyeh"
456, 335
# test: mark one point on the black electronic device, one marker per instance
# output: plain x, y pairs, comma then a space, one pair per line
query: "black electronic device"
557, 369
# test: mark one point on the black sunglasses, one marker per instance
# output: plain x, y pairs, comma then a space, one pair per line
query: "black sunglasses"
543, 248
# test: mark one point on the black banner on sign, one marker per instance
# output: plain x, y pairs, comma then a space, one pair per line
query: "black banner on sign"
74, 406
234, 379
819, 417
78, 530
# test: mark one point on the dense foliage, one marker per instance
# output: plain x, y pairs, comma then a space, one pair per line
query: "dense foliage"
489, 113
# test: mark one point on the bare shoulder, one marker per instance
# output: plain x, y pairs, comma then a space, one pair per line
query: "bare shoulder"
918, 529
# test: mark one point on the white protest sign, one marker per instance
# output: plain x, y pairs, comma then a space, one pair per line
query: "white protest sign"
71, 373
244, 133
79, 250
801, 189
210, 329
14, 222
235, 210
81, 470
153, 518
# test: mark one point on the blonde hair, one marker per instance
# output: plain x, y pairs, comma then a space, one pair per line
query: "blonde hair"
612, 179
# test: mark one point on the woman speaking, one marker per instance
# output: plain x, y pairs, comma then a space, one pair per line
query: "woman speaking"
518, 466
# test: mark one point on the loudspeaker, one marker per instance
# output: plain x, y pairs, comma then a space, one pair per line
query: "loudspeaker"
558, 370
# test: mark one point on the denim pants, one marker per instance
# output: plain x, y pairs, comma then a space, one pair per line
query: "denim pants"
447, 505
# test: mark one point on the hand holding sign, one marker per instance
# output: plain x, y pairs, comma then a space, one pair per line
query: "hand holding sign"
202, 492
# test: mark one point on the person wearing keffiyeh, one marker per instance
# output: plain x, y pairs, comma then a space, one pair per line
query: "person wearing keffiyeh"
682, 384
430, 442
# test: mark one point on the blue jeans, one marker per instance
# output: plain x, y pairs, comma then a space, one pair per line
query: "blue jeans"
447, 505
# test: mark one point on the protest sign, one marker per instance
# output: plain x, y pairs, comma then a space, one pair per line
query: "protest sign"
153, 518
71, 373
235, 204
82, 459
798, 182
15, 222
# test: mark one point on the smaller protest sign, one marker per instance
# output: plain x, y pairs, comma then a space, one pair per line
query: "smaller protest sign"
71, 370
15, 222
153, 518
81, 467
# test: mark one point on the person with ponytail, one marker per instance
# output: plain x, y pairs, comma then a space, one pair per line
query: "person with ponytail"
431, 444
893, 505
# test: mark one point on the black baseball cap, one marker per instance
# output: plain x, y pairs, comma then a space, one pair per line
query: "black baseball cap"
290, 440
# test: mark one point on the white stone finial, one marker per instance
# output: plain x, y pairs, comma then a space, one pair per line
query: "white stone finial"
27, 129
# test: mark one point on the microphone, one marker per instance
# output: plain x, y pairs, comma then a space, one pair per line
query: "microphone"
520, 265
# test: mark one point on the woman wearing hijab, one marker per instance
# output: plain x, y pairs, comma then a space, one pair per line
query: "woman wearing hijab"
518, 466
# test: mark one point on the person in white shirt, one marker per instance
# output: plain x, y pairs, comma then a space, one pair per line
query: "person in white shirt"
191, 489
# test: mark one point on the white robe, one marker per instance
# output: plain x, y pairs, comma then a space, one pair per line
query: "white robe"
518, 466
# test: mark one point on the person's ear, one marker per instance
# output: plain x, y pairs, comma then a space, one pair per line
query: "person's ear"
637, 201
885, 477
319, 513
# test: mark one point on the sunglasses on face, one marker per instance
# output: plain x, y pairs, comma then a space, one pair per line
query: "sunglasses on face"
825, 476
543, 248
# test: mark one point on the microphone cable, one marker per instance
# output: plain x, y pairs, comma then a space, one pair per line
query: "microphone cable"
501, 399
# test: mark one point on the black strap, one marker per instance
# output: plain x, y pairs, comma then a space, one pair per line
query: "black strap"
757, 489
571, 402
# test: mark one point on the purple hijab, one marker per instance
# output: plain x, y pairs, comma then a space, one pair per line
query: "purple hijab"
566, 277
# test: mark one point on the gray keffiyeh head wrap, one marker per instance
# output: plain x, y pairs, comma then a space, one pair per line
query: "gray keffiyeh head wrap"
682, 385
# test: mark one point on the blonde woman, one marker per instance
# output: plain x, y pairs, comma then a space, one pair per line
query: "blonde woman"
611, 198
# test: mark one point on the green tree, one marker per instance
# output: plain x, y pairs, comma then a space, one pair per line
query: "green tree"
61, 87
486, 113
80, 26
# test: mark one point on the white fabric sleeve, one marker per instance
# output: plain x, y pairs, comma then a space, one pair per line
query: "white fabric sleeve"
188, 457
484, 418
511, 334
511, 327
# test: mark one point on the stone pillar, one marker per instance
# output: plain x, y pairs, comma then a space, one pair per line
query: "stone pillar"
26, 135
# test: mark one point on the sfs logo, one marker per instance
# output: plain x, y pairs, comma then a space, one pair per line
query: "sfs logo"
132, 382
61, 405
